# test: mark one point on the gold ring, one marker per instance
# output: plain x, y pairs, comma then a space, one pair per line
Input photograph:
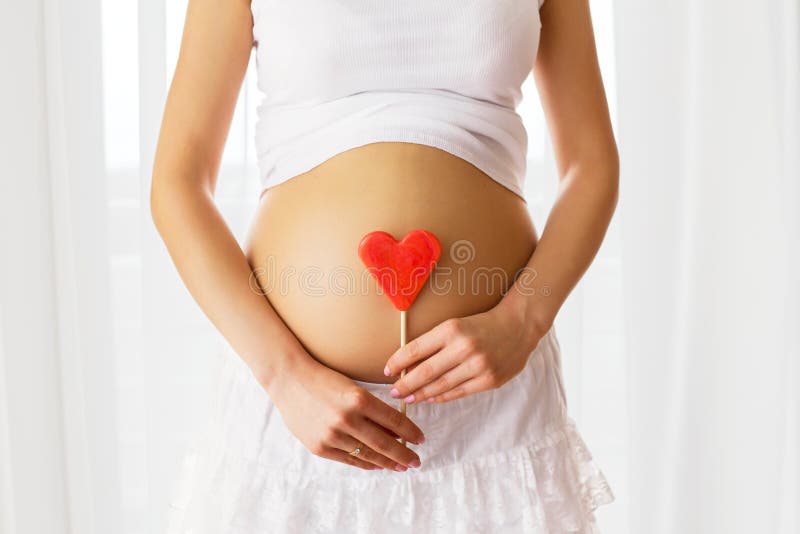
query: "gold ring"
357, 450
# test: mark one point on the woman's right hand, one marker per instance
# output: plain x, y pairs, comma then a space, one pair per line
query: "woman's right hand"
329, 414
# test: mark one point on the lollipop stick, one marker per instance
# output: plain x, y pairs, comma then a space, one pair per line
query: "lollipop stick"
403, 337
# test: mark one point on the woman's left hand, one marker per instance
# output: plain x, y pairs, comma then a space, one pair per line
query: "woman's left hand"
463, 356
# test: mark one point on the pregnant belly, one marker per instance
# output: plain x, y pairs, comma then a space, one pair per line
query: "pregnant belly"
303, 244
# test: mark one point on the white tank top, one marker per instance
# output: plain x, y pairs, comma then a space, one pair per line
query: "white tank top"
337, 74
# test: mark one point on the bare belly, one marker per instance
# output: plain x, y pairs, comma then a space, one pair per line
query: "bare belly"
304, 239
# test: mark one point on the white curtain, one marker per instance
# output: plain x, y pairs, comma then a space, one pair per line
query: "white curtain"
55, 315
104, 358
708, 122
679, 343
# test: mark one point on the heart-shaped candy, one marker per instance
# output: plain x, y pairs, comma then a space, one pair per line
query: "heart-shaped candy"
400, 267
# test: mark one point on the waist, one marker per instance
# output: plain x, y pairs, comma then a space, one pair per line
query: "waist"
304, 239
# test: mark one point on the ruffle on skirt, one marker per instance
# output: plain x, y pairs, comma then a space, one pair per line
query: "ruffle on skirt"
549, 487
508, 460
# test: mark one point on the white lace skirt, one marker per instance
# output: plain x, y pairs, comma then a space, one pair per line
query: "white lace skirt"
503, 460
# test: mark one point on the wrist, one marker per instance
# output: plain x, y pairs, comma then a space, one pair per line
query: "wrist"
282, 367
526, 310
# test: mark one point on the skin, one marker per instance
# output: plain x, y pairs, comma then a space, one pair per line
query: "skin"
472, 354
313, 223
485, 339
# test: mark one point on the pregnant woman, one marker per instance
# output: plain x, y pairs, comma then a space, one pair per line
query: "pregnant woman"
392, 117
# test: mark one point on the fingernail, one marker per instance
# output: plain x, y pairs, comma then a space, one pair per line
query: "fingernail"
400, 467
394, 393
429, 399
386, 371
414, 463
410, 398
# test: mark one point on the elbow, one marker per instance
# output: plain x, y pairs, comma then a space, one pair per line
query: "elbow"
596, 170
605, 179
605, 172
173, 191
605, 162
157, 201
611, 173
164, 194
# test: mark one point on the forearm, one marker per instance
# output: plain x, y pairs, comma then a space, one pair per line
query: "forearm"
571, 238
218, 276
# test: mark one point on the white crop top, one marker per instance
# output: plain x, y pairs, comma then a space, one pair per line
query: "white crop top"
337, 74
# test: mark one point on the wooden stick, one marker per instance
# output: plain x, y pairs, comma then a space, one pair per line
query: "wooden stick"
403, 339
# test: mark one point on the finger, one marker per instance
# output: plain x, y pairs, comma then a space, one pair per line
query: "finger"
339, 455
348, 444
383, 415
409, 368
447, 381
376, 459
389, 431
417, 349
378, 440
469, 387
425, 373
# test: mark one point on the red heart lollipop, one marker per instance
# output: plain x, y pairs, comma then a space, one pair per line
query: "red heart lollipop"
400, 267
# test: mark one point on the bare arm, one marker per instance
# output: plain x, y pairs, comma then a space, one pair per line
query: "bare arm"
467, 355
214, 54
324, 409
568, 77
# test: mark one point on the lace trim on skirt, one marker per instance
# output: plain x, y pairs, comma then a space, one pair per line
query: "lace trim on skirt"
550, 486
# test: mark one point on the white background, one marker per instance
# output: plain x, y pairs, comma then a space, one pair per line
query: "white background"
680, 343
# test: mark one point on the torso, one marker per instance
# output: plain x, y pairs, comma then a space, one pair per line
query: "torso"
304, 238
